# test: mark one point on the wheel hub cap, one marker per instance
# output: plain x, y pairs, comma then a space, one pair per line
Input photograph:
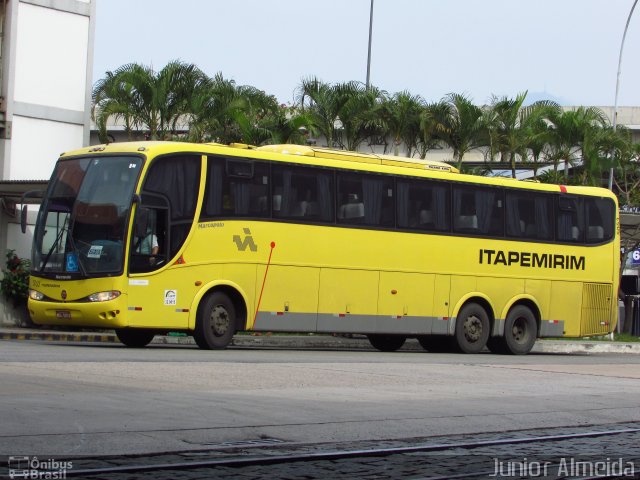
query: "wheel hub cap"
219, 320
473, 329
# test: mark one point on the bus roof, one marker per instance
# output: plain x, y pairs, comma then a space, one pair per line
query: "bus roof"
336, 158
329, 153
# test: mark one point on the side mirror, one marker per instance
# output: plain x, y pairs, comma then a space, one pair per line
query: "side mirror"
23, 218
25, 210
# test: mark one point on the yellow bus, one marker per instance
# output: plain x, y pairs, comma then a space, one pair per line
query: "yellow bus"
209, 239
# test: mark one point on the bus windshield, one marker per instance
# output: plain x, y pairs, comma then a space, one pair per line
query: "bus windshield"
82, 222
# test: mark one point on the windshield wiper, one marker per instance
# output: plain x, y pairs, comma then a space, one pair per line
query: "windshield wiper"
55, 244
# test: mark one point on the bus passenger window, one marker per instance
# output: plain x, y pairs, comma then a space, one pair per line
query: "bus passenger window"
423, 205
570, 224
477, 210
600, 219
303, 194
365, 199
528, 215
235, 188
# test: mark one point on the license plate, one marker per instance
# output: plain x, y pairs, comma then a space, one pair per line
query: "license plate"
63, 314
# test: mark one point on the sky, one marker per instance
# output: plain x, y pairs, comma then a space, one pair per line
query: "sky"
562, 50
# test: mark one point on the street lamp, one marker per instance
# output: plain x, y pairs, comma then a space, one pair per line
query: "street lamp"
369, 54
615, 101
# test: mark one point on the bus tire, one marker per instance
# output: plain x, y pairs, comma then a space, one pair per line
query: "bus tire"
520, 330
472, 329
497, 345
135, 337
435, 343
386, 343
216, 322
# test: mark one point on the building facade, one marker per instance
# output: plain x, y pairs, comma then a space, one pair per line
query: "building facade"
45, 99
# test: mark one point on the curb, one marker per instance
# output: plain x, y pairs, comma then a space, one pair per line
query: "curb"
312, 342
57, 336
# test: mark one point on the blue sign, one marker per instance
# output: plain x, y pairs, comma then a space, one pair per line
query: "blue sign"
72, 262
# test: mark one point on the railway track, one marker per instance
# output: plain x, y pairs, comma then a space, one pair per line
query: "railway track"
480, 466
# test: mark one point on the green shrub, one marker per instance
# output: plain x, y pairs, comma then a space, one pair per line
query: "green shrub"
15, 281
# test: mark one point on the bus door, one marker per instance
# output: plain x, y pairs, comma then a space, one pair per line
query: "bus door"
160, 289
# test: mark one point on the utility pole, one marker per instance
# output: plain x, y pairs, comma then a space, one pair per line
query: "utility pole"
369, 54
615, 101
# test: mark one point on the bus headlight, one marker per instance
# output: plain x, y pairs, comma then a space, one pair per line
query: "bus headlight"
104, 296
35, 295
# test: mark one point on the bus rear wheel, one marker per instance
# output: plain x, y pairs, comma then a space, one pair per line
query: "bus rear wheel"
520, 330
216, 322
135, 337
435, 343
472, 329
386, 343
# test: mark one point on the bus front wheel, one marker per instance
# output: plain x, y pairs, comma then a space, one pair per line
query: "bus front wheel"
135, 337
386, 343
216, 322
520, 330
472, 329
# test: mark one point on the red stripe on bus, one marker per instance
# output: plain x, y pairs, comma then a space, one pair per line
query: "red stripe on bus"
264, 280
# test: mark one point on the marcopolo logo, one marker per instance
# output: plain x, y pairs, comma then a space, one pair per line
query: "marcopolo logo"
246, 242
33, 467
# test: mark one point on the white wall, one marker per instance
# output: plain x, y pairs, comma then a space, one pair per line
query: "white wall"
37, 144
52, 58
18, 241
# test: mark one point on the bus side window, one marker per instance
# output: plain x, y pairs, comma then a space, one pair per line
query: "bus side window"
303, 194
149, 237
365, 199
423, 205
600, 219
528, 215
478, 210
570, 224
235, 188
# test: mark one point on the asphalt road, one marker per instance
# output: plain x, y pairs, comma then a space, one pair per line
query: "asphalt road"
95, 399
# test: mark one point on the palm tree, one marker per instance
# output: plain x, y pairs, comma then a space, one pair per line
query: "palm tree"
538, 135
323, 102
597, 146
510, 125
401, 119
568, 132
216, 110
428, 136
627, 170
147, 99
112, 98
458, 123
359, 114
288, 125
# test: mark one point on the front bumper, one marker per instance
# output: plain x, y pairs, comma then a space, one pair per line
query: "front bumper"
111, 314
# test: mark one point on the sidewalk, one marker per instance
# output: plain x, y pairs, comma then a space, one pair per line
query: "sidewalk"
316, 341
